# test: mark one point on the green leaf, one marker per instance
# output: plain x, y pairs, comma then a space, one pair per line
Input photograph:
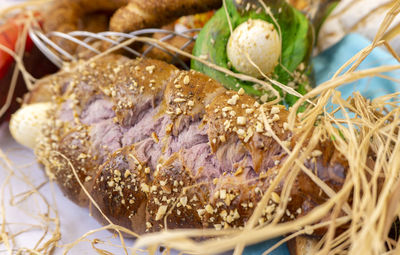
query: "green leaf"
297, 43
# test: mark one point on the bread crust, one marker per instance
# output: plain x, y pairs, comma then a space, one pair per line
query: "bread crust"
116, 15
72, 15
160, 148
156, 13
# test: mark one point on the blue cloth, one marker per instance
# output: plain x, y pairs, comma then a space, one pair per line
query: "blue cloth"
327, 63
325, 66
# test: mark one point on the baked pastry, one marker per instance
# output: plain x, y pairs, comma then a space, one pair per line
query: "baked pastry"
85, 15
115, 15
157, 147
181, 25
140, 14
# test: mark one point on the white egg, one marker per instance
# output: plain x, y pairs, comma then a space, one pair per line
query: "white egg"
26, 123
260, 40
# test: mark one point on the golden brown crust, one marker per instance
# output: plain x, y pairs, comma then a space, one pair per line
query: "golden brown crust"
127, 15
162, 186
240, 116
176, 41
120, 190
71, 15
155, 13
135, 82
187, 96
170, 199
69, 142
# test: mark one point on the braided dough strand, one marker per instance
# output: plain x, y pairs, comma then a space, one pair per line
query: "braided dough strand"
140, 14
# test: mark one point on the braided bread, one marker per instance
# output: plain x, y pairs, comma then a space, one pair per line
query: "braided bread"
71, 15
155, 13
159, 147
115, 15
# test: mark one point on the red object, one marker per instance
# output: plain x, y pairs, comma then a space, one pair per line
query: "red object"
9, 35
34, 61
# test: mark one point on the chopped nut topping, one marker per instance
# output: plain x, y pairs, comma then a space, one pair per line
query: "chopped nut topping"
275, 110
259, 127
275, 117
201, 212
148, 225
241, 132
229, 219
179, 100
227, 125
145, 188
161, 212
249, 111
236, 215
241, 91
178, 111
223, 214
209, 209
183, 200
241, 120
285, 126
186, 80
233, 100
110, 183
222, 194
150, 69
226, 109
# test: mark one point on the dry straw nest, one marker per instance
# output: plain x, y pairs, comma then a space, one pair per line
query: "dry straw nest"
373, 189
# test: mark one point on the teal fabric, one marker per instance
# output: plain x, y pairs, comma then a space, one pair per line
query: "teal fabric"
259, 249
325, 65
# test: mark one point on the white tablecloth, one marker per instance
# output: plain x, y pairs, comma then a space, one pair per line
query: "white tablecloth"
74, 220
